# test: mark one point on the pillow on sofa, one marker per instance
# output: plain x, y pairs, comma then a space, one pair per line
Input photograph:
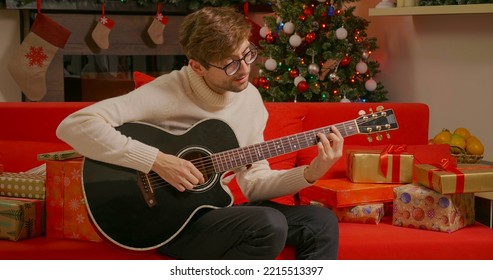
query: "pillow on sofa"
141, 79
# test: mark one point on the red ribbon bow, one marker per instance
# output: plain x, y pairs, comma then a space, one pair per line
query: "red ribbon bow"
395, 151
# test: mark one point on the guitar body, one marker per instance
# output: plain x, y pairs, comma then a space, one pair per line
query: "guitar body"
117, 205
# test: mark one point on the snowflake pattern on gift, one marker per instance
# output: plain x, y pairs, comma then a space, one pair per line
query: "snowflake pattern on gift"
36, 57
75, 174
74, 205
80, 218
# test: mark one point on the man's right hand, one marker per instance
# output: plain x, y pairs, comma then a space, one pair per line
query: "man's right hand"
179, 173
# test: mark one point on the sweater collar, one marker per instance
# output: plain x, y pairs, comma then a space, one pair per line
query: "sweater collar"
205, 95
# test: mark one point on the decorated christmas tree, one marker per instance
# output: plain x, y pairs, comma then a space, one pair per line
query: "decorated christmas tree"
317, 50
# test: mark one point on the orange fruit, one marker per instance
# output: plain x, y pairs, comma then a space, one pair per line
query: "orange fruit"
474, 146
443, 137
457, 143
464, 132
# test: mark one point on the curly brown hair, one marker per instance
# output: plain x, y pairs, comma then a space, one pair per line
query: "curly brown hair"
212, 34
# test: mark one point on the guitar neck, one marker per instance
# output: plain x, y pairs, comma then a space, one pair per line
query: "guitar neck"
243, 156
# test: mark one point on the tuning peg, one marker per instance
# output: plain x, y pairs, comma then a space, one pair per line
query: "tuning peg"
361, 112
388, 135
379, 137
369, 138
379, 108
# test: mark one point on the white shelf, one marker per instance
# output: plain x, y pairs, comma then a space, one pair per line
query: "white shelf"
433, 10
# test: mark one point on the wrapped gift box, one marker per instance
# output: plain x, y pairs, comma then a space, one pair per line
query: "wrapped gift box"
417, 206
341, 192
465, 178
387, 166
366, 213
60, 155
22, 185
67, 215
21, 218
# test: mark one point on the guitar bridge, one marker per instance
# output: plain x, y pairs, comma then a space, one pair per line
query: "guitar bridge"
146, 189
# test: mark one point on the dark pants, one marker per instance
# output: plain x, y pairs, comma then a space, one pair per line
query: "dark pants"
257, 231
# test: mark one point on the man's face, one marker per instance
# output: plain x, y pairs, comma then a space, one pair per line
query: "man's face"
217, 79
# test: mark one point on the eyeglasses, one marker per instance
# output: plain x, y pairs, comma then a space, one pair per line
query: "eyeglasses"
231, 68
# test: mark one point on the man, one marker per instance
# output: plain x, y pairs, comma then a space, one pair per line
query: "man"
214, 85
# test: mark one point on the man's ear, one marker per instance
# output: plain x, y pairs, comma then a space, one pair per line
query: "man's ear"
196, 67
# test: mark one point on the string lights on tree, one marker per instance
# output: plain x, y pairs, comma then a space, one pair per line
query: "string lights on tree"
317, 50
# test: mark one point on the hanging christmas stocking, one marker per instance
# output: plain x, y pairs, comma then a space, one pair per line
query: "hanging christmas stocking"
101, 32
28, 66
157, 26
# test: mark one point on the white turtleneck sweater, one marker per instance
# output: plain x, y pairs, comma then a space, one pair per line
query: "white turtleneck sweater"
175, 102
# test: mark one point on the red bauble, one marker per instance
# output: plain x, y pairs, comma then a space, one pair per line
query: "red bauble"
310, 37
303, 86
269, 38
293, 73
345, 61
308, 11
263, 82
302, 17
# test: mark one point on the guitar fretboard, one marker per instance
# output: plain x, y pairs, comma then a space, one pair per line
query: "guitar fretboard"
235, 158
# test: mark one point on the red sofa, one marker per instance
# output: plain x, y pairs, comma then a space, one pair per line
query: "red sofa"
29, 129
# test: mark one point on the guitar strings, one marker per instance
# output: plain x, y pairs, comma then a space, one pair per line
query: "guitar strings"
206, 163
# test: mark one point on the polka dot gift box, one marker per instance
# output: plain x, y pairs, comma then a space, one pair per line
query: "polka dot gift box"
416, 206
22, 185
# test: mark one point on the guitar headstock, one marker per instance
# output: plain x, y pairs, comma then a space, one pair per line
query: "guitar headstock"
377, 122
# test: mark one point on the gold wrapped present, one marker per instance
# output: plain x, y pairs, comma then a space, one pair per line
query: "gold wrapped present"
416, 206
22, 185
392, 165
450, 178
21, 218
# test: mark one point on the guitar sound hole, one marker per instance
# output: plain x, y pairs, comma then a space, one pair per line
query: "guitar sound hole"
200, 157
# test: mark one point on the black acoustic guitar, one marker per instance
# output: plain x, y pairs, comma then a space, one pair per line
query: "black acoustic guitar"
142, 212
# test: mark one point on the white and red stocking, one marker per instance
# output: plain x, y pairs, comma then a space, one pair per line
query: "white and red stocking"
101, 32
29, 64
157, 26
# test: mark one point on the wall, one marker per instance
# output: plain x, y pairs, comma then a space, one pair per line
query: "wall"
444, 61
10, 34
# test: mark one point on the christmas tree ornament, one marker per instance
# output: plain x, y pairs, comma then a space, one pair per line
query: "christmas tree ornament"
298, 79
302, 86
293, 73
371, 85
308, 11
333, 77
33, 57
156, 29
288, 28
345, 100
361, 67
315, 25
101, 32
264, 30
341, 33
263, 82
365, 55
346, 60
313, 68
295, 40
310, 37
270, 64
269, 38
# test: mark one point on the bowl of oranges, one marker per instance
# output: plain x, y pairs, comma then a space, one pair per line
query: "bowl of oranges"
464, 146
